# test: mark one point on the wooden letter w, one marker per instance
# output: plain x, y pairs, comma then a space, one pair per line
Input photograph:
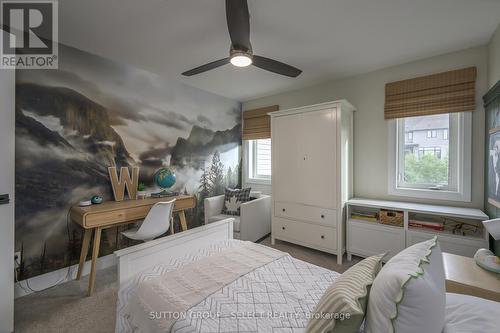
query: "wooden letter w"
124, 181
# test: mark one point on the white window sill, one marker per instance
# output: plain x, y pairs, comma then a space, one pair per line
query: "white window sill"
430, 194
258, 181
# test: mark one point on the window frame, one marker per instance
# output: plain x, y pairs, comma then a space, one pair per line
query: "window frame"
250, 153
462, 172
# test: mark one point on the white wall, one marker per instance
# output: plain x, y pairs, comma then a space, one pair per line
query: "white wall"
7, 98
366, 92
494, 58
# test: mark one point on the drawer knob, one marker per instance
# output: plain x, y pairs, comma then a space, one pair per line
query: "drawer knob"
322, 216
322, 236
284, 209
283, 228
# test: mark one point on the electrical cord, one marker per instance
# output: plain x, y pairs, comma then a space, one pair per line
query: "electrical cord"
65, 278
17, 280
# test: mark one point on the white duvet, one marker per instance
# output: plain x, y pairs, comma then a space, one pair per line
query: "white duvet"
279, 297
158, 303
471, 314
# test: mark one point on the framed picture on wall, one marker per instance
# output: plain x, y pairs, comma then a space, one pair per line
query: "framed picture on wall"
494, 167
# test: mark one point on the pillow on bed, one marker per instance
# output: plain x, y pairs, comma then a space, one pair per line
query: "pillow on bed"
408, 295
347, 296
233, 198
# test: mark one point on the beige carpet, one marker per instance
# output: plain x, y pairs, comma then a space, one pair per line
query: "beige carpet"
65, 308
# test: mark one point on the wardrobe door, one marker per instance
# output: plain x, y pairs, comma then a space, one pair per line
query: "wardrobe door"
288, 174
320, 159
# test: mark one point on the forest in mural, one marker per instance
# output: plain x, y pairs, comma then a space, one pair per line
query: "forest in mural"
92, 113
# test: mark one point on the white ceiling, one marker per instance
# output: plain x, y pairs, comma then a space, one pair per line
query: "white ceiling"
327, 39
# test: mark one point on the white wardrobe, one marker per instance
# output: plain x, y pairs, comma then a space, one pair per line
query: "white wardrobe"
312, 174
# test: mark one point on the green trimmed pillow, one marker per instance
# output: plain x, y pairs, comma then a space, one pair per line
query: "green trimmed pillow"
342, 307
408, 295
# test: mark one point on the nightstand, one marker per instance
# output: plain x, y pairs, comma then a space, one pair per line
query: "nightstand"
463, 276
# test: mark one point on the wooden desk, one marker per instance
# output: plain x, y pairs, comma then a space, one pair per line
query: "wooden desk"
463, 276
110, 214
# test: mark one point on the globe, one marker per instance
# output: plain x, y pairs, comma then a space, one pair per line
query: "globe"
164, 178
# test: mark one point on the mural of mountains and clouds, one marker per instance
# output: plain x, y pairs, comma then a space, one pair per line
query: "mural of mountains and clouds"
72, 123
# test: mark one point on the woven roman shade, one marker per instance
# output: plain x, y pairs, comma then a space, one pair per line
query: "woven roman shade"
257, 124
447, 92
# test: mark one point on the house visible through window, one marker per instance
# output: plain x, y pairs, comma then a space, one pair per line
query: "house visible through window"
431, 134
435, 151
259, 159
425, 161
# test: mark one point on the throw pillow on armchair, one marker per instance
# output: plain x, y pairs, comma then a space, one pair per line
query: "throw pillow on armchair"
233, 198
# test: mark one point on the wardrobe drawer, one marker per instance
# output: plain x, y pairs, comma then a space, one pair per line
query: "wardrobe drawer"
305, 233
306, 213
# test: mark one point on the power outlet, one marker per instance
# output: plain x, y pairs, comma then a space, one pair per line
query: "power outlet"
17, 259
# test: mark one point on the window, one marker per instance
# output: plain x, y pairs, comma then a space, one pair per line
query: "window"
426, 166
259, 159
410, 136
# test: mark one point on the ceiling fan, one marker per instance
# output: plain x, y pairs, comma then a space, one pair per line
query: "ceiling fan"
240, 53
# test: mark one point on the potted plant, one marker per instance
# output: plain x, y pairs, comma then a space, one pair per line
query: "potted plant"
141, 191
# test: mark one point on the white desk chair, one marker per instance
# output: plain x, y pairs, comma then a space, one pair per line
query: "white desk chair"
156, 223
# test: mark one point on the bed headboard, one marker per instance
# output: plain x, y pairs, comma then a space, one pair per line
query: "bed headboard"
138, 258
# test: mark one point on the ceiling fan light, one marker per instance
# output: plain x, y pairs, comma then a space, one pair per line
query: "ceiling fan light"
241, 60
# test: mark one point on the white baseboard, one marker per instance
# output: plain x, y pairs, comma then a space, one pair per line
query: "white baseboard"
47, 280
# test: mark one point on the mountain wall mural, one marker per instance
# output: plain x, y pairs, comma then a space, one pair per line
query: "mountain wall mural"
91, 113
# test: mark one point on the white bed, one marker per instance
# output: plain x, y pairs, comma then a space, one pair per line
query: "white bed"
275, 297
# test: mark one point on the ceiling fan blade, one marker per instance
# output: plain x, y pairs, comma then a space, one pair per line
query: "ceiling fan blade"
275, 66
206, 67
238, 24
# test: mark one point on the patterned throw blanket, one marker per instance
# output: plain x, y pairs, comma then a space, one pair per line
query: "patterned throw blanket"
159, 302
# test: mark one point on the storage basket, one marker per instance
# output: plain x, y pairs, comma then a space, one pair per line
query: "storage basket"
392, 217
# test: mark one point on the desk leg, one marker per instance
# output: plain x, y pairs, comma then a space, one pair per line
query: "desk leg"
182, 217
95, 254
83, 253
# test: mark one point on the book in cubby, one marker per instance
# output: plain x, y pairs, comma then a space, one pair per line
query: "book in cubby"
446, 224
371, 215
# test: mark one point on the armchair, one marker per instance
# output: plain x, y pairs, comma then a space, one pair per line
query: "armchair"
254, 221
